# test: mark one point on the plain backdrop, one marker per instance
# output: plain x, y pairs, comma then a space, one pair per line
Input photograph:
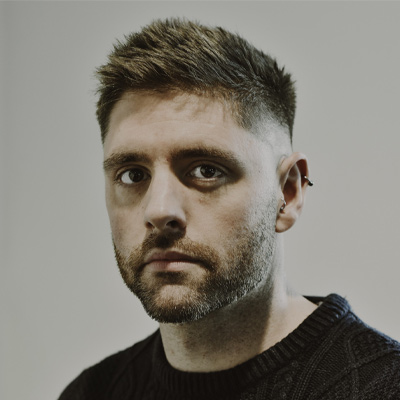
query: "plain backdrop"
63, 304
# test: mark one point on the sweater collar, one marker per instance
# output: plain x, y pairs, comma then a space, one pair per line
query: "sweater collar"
332, 309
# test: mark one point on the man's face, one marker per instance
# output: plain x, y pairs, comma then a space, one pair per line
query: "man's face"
192, 201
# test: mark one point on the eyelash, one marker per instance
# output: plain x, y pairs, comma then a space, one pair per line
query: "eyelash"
221, 173
119, 177
218, 170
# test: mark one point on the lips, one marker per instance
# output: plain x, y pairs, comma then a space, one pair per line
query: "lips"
169, 261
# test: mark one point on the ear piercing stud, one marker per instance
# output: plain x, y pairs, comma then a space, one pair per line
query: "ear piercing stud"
283, 205
310, 182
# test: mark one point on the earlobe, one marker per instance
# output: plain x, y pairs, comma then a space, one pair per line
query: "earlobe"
293, 172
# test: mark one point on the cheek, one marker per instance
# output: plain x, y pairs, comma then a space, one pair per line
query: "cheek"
224, 218
126, 224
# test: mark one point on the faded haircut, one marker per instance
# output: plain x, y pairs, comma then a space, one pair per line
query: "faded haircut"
177, 55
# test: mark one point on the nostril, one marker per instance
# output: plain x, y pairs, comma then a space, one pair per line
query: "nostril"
163, 224
173, 224
149, 225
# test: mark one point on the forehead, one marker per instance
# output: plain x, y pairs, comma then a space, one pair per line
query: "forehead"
144, 107
159, 123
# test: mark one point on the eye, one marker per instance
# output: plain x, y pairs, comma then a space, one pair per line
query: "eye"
134, 175
206, 171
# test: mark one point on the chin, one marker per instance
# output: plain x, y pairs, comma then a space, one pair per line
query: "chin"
175, 304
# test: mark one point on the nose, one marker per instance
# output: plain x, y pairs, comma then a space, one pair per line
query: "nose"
164, 209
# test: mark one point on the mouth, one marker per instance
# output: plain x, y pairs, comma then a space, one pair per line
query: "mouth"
170, 261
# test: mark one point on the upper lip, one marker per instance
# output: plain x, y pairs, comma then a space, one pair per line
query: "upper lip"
167, 256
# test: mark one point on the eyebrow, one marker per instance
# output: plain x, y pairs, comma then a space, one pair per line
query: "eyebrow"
206, 152
119, 159
122, 158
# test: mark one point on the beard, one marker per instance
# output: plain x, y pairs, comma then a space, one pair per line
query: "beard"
217, 281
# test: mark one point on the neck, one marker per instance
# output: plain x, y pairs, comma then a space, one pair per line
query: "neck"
238, 332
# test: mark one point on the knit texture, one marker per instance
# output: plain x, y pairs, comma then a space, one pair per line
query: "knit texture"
332, 355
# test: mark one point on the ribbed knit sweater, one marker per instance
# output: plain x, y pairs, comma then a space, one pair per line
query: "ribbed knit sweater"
332, 355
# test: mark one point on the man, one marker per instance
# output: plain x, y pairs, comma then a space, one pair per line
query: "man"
200, 183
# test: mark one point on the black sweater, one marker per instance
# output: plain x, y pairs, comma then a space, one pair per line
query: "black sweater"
331, 355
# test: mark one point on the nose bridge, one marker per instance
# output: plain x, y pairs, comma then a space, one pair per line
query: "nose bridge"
164, 207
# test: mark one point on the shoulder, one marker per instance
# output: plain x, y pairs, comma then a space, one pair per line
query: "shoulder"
373, 361
355, 360
98, 380
366, 344
348, 335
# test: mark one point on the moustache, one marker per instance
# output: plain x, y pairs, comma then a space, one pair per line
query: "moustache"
204, 254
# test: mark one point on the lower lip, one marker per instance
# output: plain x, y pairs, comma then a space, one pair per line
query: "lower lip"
170, 265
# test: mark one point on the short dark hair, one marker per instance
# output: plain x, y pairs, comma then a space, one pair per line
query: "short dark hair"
180, 55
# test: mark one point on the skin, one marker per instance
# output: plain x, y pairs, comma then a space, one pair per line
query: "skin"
173, 196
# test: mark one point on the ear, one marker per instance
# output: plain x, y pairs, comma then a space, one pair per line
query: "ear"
293, 184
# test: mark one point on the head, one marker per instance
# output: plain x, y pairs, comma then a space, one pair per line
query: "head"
196, 126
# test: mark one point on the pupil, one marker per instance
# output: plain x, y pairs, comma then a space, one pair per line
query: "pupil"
207, 171
136, 175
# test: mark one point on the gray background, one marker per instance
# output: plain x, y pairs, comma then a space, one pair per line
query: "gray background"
63, 303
